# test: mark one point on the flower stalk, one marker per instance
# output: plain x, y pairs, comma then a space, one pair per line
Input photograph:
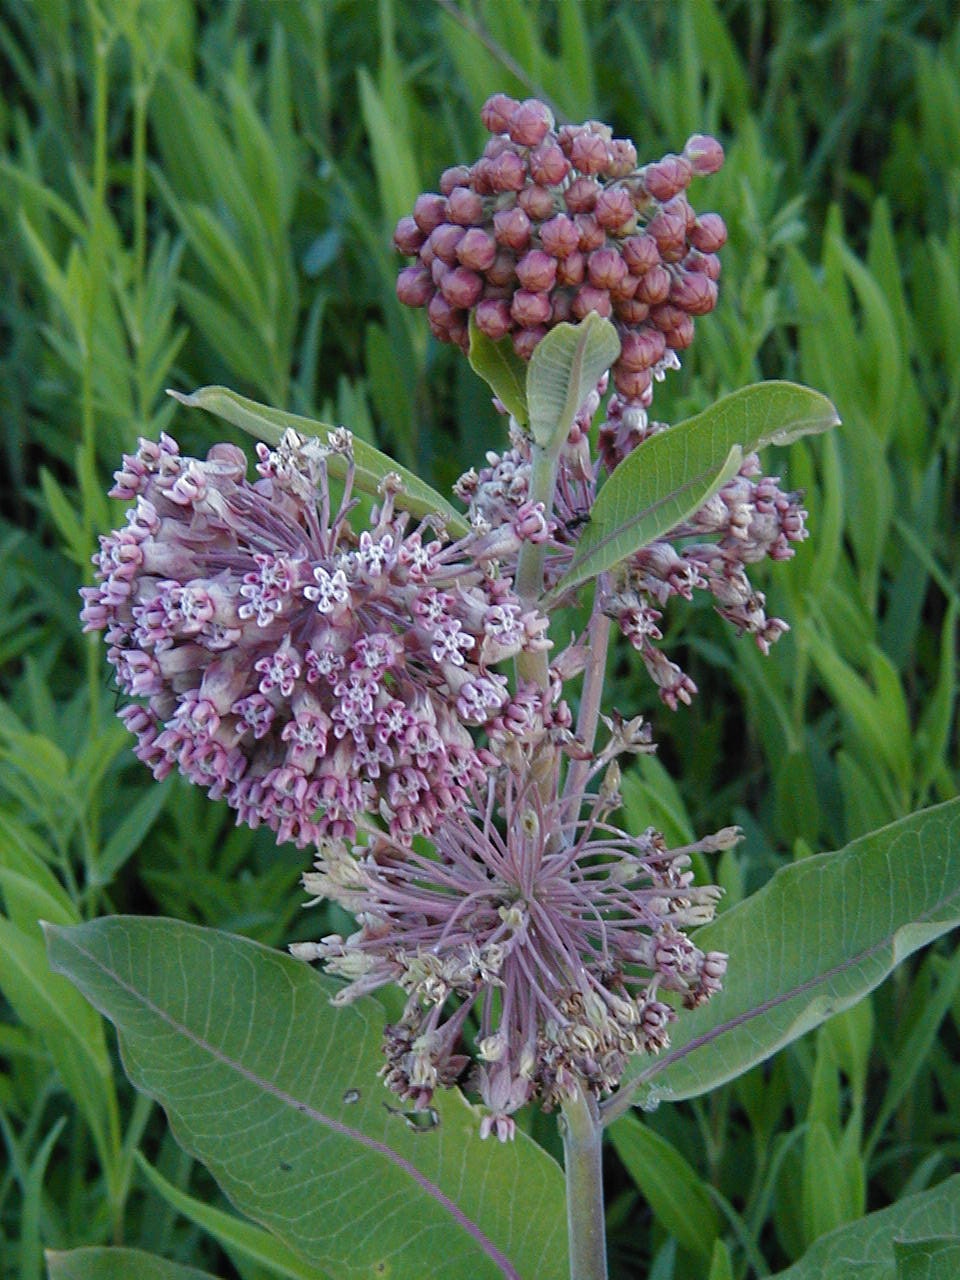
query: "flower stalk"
583, 1167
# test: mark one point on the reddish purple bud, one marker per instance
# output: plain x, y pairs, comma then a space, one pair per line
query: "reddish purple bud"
572, 269
537, 202
694, 293
529, 308
680, 338
680, 204
508, 172
561, 307
641, 348
581, 195
709, 233
668, 177
429, 211
654, 286
623, 158
477, 249
614, 208
496, 112
503, 272
626, 288
512, 228
530, 123
525, 340
592, 235
560, 236
459, 331
537, 271
704, 153
631, 383
461, 287
590, 153
408, 237
706, 263
606, 269
441, 315
457, 176
493, 318
666, 316
465, 207
631, 311
444, 240
438, 269
481, 177
591, 299
640, 254
414, 286
548, 165
670, 232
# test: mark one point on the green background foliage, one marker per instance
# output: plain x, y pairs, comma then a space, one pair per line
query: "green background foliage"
203, 193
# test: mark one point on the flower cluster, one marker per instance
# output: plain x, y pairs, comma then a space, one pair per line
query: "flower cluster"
560, 934
551, 224
307, 674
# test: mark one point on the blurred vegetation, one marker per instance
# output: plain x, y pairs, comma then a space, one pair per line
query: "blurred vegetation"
197, 193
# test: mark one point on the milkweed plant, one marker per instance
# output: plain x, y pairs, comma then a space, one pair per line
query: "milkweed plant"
389, 680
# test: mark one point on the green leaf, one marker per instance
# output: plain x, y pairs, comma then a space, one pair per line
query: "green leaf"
814, 940
675, 1193
721, 1264
865, 1248
276, 1091
371, 465
564, 368
927, 1258
235, 1234
673, 473
501, 369
117, 1264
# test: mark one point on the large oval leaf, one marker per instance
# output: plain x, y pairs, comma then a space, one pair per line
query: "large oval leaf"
868, 1249
668, 477
277, 1093
117, 1264
812, 942
264, 423
565, 367
501, 369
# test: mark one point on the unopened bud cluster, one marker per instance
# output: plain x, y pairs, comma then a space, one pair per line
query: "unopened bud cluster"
552, 224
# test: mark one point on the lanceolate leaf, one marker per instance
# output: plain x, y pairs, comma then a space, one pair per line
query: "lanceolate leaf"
501, 369
668, 477
868, 1248
371, 465
117, 1264
565, 367
812, 942
277, 1093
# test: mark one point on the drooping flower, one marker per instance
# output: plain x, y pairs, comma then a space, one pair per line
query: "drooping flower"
551, 224
557, 933
306, 672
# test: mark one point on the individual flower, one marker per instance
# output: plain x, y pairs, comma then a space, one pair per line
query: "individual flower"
304, 671
551, 224
554, 942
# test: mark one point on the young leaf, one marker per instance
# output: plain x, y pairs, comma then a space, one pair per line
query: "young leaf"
564, 368
870, 1242
269, 424
501, 369
814, 940
117, 1264
276, 1091
668, 477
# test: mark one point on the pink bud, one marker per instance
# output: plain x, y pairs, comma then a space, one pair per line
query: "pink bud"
561, 306
508, 172
694, 293
704, 153
706, 263
640, 254
512, 228
709, 233
444, 240
548, 164
414, 286
572, 269
503, 272
537, 202
441, 315
626, 288
590, 153
680, 338
631, 383
668, 177
666, 316
493, 318
408, 237
537, 271
530, 308
525, 340
631, 311
641, 348
461, 287
465, 207
477, 249
581, 195
591, 299
605, 268
560, 236
614, 208
429, 211
623, 158
592, 235
496, 112
654, 286
669, 230
530, 123
457, 176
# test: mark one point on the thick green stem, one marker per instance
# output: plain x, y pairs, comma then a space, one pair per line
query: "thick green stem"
529, 583
583, 1165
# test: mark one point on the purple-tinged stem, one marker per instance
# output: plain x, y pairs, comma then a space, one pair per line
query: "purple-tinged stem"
583, 1163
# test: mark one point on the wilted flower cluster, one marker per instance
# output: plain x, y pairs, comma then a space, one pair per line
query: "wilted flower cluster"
552, 224
560, 933
307, 674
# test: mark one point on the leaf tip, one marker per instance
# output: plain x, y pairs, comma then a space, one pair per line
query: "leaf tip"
182, 397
